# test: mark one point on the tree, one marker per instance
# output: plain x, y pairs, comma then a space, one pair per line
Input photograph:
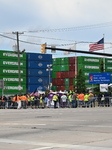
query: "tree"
80, 86
101, 65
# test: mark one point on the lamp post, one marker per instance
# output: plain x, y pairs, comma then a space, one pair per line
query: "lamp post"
49, 69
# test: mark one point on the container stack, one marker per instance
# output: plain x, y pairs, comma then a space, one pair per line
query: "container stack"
37, 76
9, 72
108, 65
64, 72
88, 65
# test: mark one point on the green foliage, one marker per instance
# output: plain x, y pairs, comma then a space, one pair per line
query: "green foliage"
101, 65
80, 82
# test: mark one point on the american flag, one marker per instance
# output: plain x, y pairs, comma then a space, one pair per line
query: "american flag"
97, 46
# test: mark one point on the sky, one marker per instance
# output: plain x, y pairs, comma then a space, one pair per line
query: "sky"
62, 23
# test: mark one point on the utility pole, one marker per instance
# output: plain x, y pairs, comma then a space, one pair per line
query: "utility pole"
18, 53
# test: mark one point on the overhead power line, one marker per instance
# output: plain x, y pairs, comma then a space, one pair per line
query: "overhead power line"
100, 25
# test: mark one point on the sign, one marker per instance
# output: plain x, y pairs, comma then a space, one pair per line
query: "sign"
103, 87
99, 78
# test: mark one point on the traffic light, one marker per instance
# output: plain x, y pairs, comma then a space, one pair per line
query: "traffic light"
43, 48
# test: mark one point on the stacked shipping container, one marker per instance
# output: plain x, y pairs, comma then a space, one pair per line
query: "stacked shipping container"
89, 65
9, 72
37, 76
64, 71
33, 72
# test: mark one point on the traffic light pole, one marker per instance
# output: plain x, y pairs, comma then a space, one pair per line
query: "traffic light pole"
79, 51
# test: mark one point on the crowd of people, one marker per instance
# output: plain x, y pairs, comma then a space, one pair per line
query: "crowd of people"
55, 100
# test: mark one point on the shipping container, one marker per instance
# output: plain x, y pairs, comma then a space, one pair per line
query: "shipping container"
71, 81
13, 88
60, 88
38, 80
56, 61
108, 61
10, 63
108, 68
10, 55
54, 74
40, 57
54, 88
73, 67
56, 67
64, 67
88, 60
64, 61
9, 80
71, 74
38, 64
58, 81
32, 88
38, 72
88, 67
66, 81
72, 60
12, 71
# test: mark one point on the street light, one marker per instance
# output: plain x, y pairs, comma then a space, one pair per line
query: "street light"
49, 69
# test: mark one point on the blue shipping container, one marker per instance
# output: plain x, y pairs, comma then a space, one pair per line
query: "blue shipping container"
38, 72
37, 64
32, 88
38, 80
40, 57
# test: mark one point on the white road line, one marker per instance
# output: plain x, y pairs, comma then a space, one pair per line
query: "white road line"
54, 145
22, 124
42, 148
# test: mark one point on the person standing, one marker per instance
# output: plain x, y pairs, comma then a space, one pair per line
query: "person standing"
86, 100
74, 101
106, 101
55, 99
64, 100
99, 99
70, 96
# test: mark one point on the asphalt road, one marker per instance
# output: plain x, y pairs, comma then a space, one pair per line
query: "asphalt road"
56, 129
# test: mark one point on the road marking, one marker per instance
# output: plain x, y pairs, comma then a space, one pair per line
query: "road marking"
22, 124
42, 148
54, 145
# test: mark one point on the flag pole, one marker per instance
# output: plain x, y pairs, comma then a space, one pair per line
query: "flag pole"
104, 56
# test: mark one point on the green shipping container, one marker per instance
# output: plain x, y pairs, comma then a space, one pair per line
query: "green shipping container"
65, 60
88, 67
108, 61
56, 61
56, 67
10, 63
108, 68
12, 72
11, 55
9, 80
88, 60
54, 88
64, 68
13, 89
53, 74
66, 81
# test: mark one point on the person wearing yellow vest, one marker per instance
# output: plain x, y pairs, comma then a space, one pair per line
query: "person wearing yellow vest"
55, 99
32, 101
70, 97
86, 99
41, 101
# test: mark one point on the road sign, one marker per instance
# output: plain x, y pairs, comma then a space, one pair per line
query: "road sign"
99, 78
